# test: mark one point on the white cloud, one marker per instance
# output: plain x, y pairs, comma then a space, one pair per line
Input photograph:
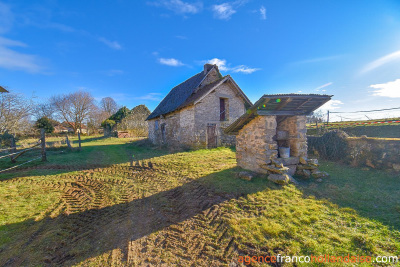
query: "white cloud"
170, 62
263, 13
150, 96
13, 60
223, 11
6, 18
331, 105
222, 65
113, 44
381, 61
389, 89
179, 7
244, 69
323, 86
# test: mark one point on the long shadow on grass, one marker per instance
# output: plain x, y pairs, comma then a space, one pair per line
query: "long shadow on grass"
372, 193
70, 239
62, 160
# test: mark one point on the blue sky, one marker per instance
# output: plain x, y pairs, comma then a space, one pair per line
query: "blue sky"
136, 51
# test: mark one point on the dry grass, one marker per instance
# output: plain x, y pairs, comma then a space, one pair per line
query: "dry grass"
91, 208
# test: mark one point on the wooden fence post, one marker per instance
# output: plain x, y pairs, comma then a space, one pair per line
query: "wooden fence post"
79, 138
43, 144
68, 142
13, 149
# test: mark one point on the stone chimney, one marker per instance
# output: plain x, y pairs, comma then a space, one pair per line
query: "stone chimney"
208, 67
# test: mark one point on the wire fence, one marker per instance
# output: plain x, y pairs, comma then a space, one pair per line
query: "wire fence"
13, 153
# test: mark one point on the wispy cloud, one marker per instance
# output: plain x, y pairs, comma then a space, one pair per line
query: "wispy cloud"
9, 42
223, 66
331, 105
323, 86
244, 69
263, 13
13, 60
381, 61
317, 60
150, 96
389, 89
223, 11
59, 26
170, 62
6, 18
112, 44
178, 6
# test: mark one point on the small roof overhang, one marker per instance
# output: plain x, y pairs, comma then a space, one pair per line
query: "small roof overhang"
279, 105
3, 90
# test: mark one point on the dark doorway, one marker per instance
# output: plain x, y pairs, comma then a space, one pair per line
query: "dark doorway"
163, 133
211, 135
222, 109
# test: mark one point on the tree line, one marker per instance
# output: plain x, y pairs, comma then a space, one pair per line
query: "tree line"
19, 114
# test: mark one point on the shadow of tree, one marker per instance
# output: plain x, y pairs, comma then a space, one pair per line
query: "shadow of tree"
61, 160
70, 239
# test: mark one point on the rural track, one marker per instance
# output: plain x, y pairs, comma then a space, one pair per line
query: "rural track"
182, 225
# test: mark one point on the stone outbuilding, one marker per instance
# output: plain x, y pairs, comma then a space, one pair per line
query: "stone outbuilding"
196, 112
271, 136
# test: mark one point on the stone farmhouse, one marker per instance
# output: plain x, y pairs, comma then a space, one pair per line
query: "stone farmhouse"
196, 112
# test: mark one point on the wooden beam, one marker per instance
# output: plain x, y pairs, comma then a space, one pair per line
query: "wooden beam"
279, 113
304, 102
284, 103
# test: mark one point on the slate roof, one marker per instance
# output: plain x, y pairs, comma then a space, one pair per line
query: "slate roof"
3, 90
279, 105
202, 91
177, 96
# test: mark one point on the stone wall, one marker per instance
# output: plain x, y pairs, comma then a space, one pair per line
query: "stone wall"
296, 127
212, 76
379, 153
172, 132
207, 111
255, 144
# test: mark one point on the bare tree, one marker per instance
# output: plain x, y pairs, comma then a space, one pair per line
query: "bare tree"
108, 105
73, 108
44, 110
316, 117
95, 118
14, 113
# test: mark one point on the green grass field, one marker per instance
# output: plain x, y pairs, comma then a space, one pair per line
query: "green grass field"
382, 130
90, 208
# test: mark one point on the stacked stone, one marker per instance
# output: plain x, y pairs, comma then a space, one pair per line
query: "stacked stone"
309, 168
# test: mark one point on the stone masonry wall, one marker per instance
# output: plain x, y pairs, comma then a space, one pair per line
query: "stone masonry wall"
379, 153
152, 132
187, 135
172, 133
207, 111
255, 144
212, 76
296, 126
